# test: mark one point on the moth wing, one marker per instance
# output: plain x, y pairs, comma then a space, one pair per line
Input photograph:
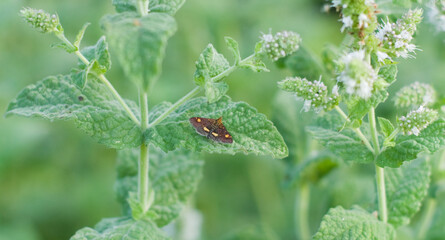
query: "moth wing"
202, 125
223, 135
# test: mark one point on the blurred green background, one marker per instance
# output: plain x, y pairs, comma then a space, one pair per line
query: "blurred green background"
55, 180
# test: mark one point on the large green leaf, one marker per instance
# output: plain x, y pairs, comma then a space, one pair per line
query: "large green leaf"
251, 131
165, 6
344, 144
93, 109
173, 177
121, 228
139, 43
357, 224
408, 147
406, 187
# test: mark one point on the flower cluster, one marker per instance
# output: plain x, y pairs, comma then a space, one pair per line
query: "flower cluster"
436, 14
40, 20
314, 94
281, 44
358, 15
396, 37
416, 94
417, 120
357, 76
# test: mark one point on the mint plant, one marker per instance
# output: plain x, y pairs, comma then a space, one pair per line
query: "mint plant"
344, 89
159, 164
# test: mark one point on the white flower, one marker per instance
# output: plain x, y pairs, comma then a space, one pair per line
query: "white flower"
347, 22
363, 21
381, 56
336, 3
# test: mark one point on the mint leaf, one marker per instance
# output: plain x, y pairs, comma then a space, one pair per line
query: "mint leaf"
121, 228
210, 63
215, 90
389, 73
251, 131
359, 107
344, 144
408, 147
93, 109
64, 46
339, 223
173, 177
79, 35
164, 6
255, 64
98, 53
386, 126
406, 187
233, 47
139, 44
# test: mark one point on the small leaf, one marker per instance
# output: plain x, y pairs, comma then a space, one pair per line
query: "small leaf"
339, 223
251, 131
233, 47
64, 46
139, 44
164, 6
386, 126
255, 64
389, 72
173, 177
408, 147
359, 107
406, 187
79, 35
92, 108
121, 228
98, 53
210, 63
215, 91
344, 144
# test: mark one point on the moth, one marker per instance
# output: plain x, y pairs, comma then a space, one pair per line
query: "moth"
212, 129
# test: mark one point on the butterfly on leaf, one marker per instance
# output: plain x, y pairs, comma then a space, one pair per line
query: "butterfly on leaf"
212, 129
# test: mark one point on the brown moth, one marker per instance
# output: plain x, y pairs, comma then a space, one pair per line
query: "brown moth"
212, 129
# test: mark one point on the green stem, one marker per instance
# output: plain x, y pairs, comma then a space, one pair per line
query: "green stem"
143, 7
102, 77
302, 209
427, 218
143, 179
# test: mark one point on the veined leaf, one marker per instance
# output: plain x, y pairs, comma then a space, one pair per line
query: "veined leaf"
121, 228
386, 126
251, 131
210, 63
389, 72
165, 6
359, 107
79, 35
406, 187
139, 44
344, 144
339, 223
99, 53
408, 147
173, 177
215, 91
233, 47
92, 108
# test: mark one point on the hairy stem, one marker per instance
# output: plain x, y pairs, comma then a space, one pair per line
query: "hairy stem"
103, 79
143, 179
143, 7
380, 172
301, 211
427, 218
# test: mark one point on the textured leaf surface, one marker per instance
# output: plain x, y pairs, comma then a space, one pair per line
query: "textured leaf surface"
389, 73
210, 63
139, 43
215, 91
92, 108
344, 144
386, 126
408, 147
165, 6
173, 176
359, 107
251, 131
98, 52
121, 228
406, 187
339, 223
234, 48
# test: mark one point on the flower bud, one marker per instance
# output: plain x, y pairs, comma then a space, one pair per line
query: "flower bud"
416, 94
357, 15
417, 120
281, 44
40, 20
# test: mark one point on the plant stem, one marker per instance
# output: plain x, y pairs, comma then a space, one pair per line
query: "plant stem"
143, 178
427, 218
380, 172
301, 211
143, 7
103, 79
356, 130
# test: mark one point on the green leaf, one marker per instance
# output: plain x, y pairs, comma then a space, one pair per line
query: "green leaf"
359, 107
64, 46
408, 147
173, 176
93, 109
255, 64
121, 228
251, 131
389, 73
304, 64
386, 126
234, 48
344, 144
314, 168
139, 44
215, 91
406, 187
210, 64
98, 53
79, 35
339, 223
164, 6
